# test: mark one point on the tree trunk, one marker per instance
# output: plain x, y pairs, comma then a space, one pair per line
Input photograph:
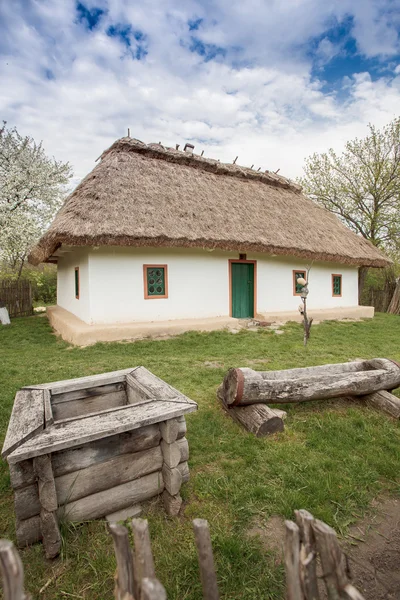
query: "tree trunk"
362, 276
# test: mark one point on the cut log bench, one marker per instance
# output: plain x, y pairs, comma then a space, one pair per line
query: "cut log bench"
94, 447
245, 393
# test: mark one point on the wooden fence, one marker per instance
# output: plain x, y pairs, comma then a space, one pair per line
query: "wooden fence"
309, 543
17, 297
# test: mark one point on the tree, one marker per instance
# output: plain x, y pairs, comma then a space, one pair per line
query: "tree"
362, 185
32, 189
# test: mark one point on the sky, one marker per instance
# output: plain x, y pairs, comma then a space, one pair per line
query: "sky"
269, 81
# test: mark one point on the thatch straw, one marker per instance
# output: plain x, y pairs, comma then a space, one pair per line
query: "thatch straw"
148, 195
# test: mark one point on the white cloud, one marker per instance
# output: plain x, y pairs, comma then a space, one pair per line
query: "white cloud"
260, 101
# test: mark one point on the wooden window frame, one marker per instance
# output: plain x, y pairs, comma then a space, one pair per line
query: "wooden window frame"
238, 260
155, 297
294, 280
77, 295
341, 285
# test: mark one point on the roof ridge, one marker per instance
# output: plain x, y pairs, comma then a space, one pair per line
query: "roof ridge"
212, 165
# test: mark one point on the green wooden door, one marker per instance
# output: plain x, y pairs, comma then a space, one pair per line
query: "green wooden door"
242, 290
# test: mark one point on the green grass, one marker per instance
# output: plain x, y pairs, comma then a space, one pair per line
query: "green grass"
332, 459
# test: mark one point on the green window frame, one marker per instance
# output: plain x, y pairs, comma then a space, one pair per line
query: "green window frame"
296, 287
155, 279
77, 283
336, 285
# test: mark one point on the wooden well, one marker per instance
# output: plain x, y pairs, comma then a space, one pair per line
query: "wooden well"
88, 448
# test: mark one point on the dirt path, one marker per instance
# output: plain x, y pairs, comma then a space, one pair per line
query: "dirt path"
372, 547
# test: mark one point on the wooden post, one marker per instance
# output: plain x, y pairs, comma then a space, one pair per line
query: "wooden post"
12, 572
143, 563
292, 562
206, 559
124, 584
332, 560
308, 555
152, 590
48, 505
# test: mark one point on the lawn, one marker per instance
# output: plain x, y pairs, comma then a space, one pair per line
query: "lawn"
332, 459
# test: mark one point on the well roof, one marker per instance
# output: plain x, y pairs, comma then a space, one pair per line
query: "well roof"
148, 195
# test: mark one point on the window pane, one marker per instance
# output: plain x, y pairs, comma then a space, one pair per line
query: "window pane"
77, 283
337, 285
156, 281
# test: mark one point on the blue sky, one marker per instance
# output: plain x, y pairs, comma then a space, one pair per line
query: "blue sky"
271, 81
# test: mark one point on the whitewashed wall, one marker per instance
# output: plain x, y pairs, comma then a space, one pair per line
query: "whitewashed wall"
198, 284
66, 283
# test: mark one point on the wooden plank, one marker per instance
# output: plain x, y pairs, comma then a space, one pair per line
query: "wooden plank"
103, 503
48, 413
27, 419
105, 475
92, 404
46, 486
81, 383
206, 559
90, 428
384, 401
135, 391
158, 388
98, 390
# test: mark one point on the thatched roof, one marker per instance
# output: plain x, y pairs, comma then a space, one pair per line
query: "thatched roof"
148, 195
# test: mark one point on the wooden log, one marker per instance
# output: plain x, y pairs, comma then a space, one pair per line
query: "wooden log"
259, 419
184, 448
183, 468
26, 502
172, 479
308, 555
206, 559
48, 505
384, 401
50, 533
105, 475
332, 560
123, 553
292, 562
169, 430
68, 461
124, 514
152, 589
28, 531
172, 504
244, 386
182, 427
90, 405
27, 419
171, 454
48, 412
12, 572
143, 561
93, 427
113, 499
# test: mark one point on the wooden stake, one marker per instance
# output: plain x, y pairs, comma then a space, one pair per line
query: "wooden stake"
206, 559
143, 556
152, 590
292, 562
332, 559
12, 572
123, 553
308, 555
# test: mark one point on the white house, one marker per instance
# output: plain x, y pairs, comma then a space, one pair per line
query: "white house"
155, 238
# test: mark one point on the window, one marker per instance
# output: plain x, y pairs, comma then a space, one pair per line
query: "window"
296, 287
77, 283
336, 285
155, 281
